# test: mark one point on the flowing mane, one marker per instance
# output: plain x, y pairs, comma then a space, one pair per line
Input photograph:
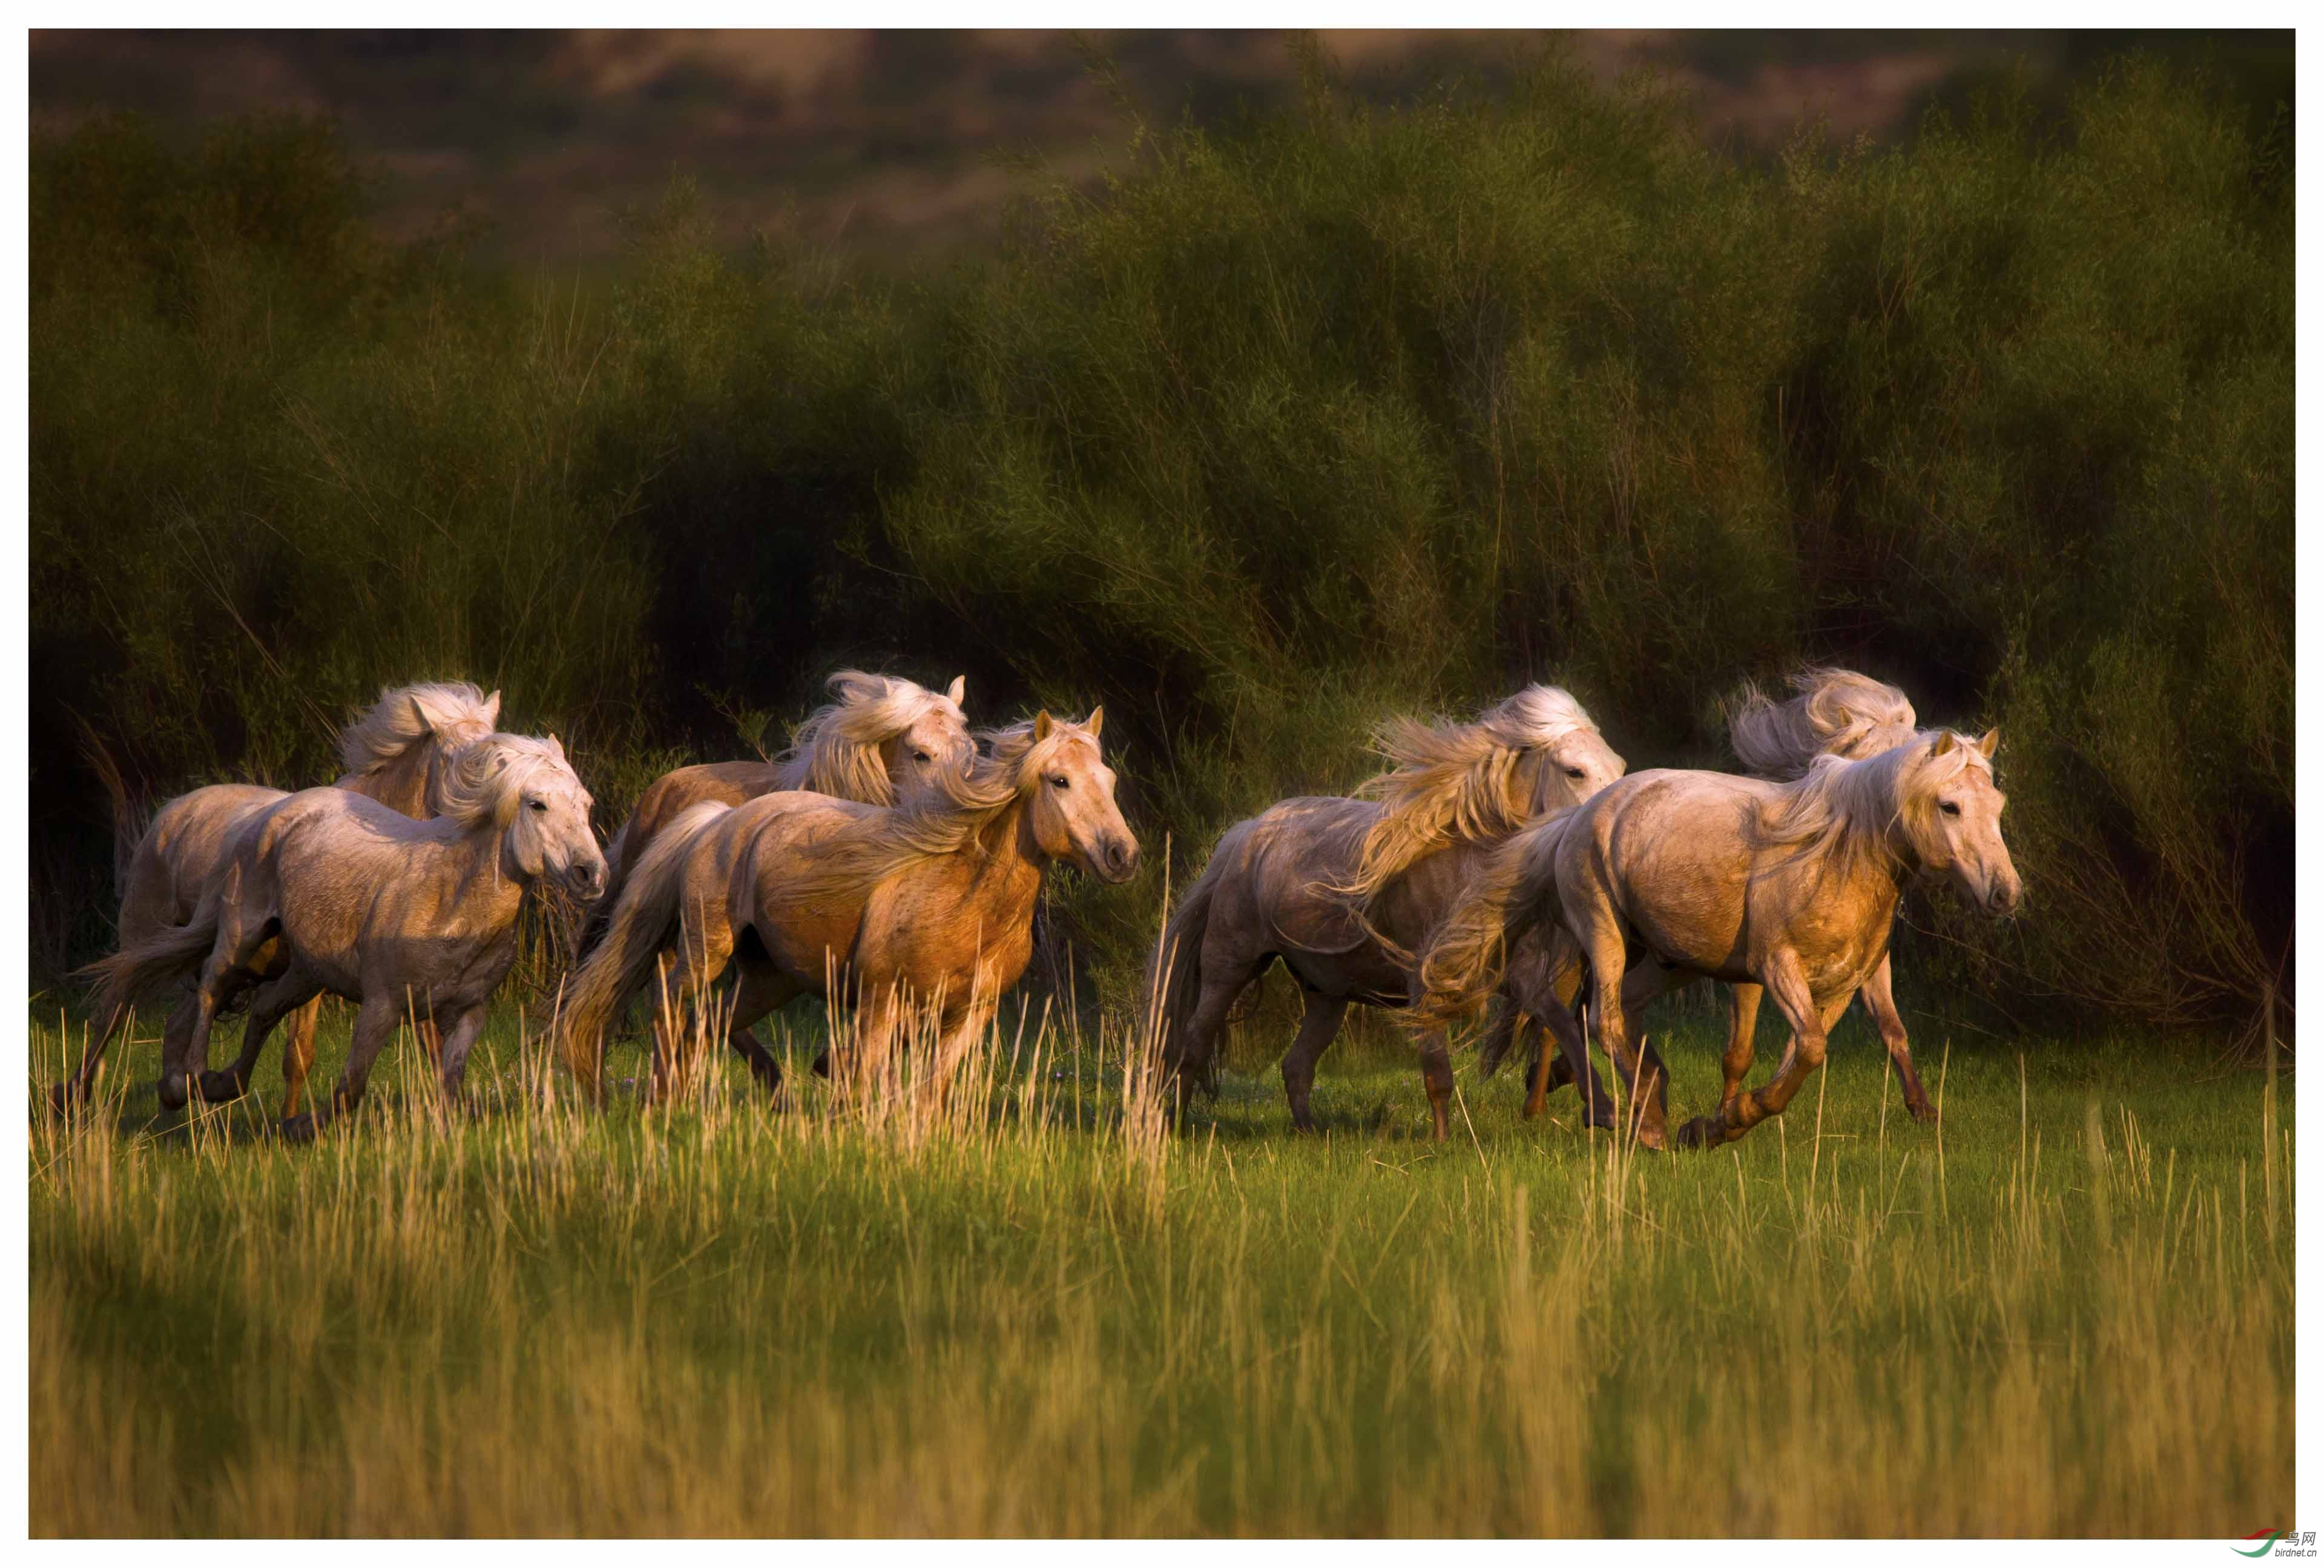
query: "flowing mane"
837, 751
484, 782
406, 718
950, 822
1833, 712
1451, 783
1843, 809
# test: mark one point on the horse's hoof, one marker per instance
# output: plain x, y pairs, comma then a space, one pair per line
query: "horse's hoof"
172, 1091
1924, 1114
1703, 1132
300, 1129
216, 1087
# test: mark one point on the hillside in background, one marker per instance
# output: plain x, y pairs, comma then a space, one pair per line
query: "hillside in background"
895, 145
1339, 409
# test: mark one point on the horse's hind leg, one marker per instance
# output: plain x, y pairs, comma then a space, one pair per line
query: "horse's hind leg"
760, 989
1189, 1056
1318, 1027
1881, 1003
299, 1054
375, 1022
274, 1002
75, 1089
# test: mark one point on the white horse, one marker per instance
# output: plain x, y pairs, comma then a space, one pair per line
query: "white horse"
330, 891
1670, 875
395, 753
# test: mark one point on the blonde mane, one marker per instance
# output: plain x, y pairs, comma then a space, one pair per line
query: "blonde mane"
1458, 782
951, 821
1843, 810
837, 751
485, 783
406, 718
1832, 713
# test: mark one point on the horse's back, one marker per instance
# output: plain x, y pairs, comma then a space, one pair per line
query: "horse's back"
672, 795
182, 848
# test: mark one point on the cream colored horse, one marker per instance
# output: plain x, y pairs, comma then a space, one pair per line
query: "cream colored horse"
900, 907
331, 891
1831, 711
881, 740
395, 753
1672, 875
1343, 891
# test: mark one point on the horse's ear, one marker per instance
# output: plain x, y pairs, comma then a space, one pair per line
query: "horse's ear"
427, 724
1095, 722
1989, 742
556, 745
492, 707
1942, 745
1042, 724
957, 689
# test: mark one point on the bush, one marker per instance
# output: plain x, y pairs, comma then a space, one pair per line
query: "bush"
1336, 414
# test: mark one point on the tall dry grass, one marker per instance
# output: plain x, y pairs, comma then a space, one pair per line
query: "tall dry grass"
1011, 1310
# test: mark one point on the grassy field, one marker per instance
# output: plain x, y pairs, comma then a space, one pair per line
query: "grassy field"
2069, 1314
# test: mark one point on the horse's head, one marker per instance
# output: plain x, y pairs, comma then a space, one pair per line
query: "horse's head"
1572, 767
1952, 813
1072, 809
933, 747
528, 788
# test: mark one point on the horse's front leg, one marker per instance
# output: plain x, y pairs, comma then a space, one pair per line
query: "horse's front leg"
1786, 980
1881, 1003
1436, 1073
1742, 1028
457, 1036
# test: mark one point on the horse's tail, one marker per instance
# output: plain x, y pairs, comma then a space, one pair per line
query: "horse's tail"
633, 934
172, 951
1468, 953
1772, 740
128, 822
1173, 978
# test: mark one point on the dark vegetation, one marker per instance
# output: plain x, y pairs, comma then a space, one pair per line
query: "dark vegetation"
1339, 412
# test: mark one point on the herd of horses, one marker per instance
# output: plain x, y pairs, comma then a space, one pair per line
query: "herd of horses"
891, 863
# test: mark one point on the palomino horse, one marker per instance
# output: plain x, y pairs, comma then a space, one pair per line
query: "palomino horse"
1833, 713
1344, 891
396, 754
331, 891
882, 741
925, 904
1789, 886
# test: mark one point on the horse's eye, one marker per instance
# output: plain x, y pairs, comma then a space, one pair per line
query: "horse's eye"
1062, 782
1950, 808
1573, 772
919, 756
540, 805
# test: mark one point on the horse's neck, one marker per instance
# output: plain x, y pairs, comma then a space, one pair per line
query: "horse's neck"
401, 786
487, 889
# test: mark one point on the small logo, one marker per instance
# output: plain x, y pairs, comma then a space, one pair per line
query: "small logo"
2278, 1543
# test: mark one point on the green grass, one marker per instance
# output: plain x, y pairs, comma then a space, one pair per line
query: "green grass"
2069, 1314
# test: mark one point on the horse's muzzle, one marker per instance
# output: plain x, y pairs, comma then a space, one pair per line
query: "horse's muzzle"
587, 881
1117, 860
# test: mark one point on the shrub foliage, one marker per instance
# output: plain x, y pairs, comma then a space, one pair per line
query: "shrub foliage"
1326, 415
